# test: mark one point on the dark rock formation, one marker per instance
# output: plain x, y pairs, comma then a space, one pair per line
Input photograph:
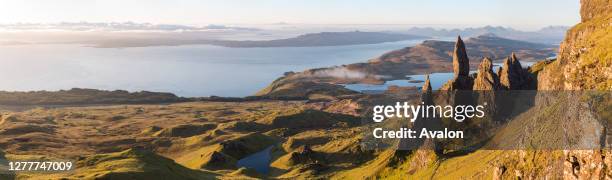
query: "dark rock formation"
218, 160
459, 83
504, 75
302, 155
512, 76
426, 92
486, 84
461, 68
461, 62
515, 62
426, 85
486, 78
429, 122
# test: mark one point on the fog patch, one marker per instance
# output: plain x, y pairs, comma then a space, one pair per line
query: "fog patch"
344, 73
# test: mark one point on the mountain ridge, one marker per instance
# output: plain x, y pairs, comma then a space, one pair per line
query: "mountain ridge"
322, 39
545, 35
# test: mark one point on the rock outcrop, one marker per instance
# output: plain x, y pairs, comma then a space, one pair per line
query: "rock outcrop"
584, 60
461, 62
485, 85
218, 160
461, 69
426, 85
302, 155
486, 79
426, 91
592, 9
512, 76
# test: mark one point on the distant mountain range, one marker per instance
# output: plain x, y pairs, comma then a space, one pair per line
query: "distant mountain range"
118, 26
307, 40
323, 39
131, 34
547, 35
530, 39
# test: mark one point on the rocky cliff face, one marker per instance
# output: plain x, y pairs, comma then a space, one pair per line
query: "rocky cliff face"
584, 60
585, 63
591, 9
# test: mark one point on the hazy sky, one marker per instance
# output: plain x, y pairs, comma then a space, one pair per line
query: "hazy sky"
522, 14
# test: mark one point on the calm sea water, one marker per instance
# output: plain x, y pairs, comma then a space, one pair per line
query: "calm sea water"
437, 80
198, 70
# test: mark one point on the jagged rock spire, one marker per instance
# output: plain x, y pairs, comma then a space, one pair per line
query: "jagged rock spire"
504, 75
516, 64
461, 68
513, 57
486, 65
512, 75
426, 92
427, 122
486, 78
427, 85
461, 62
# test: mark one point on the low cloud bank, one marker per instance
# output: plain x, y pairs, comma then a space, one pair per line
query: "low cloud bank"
344, 73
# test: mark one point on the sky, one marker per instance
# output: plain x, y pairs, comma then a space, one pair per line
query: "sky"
520, 14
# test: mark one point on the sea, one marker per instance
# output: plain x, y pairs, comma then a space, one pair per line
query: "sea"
187, 70
437, 80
